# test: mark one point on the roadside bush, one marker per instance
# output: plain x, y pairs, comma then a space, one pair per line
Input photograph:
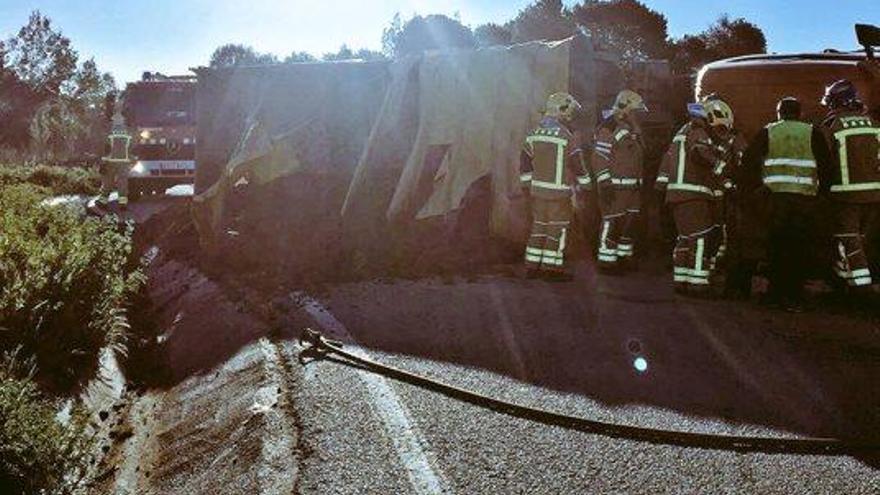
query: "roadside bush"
64, 285
38, 454
55, 179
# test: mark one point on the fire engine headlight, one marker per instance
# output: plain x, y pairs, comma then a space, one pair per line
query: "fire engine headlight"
138, 170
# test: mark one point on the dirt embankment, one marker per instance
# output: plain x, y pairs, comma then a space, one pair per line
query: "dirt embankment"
207, 408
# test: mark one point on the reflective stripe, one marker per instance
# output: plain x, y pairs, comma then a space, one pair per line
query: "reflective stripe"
526, 177
663, 179
564, 223
860, 282
550, 185
547, 139
560, 162
607, 258
584, 180
681, 158
621, 134
719, 169
698, 265
691, 187
864, 272
603, 176
790, 162
625, 182
864, 186
533, 258
787, 179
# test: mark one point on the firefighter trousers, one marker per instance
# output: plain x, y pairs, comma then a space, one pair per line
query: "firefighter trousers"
114, 177
551, 223
693, 252
851, 222
620, 214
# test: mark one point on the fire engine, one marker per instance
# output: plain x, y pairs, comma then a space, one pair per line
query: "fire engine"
160, 112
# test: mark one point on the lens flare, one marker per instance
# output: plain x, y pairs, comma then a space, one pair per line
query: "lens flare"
640, 364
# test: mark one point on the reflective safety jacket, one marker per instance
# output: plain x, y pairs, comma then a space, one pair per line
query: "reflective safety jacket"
119, 145
551, 163
618, 155
693, 166
854, 145
790, 164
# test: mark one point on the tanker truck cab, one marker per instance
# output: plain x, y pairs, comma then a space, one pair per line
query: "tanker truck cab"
160, 113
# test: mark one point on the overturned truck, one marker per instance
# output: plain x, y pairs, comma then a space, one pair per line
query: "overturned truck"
357, 168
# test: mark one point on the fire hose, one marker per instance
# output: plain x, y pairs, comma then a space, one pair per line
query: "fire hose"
316, 346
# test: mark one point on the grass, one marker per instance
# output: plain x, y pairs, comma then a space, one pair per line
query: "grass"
52, 180
64, 285
39, 454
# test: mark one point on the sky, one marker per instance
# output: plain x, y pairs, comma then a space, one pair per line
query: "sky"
170, 36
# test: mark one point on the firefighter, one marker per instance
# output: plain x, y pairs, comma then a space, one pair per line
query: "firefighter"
853, 140
618, 155
550, 166
116, 166
690, 173
784, 160
731, 146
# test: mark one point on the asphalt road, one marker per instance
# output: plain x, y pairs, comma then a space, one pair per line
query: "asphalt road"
617, 349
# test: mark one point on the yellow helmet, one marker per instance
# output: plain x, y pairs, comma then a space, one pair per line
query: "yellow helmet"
718, 113
562, 106
629, 101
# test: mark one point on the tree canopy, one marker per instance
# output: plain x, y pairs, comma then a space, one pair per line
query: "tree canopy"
49, 102
420, 34
723, 39
237, 55
627, 27
543, 20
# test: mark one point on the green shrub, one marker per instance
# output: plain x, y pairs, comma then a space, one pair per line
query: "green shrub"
64, 285
38, 454
55, 179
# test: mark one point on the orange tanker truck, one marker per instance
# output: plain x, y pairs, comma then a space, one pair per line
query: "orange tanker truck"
754, 84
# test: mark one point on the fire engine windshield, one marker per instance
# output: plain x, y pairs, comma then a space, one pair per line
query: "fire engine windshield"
156, 106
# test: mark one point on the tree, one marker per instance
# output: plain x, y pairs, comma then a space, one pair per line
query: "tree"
492, 34
420, 34
626, 27
369, 55
724, 39
299, 57
40, 56
236, 55
344, 53
543, 20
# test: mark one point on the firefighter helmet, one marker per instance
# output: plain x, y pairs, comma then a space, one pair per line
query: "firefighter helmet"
629, 101
841, 94
718, 113
562, 106
788, 108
